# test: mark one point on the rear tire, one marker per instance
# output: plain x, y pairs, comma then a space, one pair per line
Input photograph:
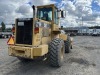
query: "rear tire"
56, 52
68, 46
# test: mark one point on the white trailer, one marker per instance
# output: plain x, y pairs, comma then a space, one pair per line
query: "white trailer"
96, 32
5, 34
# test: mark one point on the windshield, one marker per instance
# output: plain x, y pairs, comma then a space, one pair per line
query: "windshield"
45, 13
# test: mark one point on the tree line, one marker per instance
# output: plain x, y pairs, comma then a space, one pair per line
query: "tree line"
3, 27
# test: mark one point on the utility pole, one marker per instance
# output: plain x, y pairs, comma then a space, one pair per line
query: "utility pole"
81, 24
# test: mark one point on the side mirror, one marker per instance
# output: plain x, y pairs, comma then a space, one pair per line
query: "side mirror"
63, 14
61, 27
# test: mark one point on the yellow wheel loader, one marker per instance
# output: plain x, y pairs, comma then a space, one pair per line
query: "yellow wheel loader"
40, 36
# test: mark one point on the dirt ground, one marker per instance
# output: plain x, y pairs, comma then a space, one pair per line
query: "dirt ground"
84, 59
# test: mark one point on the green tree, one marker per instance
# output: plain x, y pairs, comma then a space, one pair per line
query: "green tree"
3, 27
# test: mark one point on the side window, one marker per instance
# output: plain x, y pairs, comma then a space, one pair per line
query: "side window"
56, 16
50, 15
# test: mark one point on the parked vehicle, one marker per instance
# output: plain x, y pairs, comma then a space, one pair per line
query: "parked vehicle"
5, 34
95, 32
73, 34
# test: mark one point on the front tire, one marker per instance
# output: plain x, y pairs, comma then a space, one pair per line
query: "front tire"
68, 46
56, 52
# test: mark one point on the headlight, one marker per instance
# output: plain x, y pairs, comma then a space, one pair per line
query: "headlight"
36, 28
38, 24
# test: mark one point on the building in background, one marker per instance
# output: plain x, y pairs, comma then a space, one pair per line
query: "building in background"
95, 30
71, 30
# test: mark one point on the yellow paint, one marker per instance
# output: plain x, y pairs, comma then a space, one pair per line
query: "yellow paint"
55, 27
46, 40
63, 36
40, 51
20, 51
37, 38
28, 52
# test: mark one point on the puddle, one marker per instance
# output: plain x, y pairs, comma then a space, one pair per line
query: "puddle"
80, 61
90, 47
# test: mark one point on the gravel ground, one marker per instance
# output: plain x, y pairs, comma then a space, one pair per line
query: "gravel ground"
84, 59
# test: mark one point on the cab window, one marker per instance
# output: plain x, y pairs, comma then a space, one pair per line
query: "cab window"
45, 13
56, 16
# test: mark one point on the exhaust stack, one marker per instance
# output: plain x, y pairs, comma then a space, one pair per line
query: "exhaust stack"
33, 11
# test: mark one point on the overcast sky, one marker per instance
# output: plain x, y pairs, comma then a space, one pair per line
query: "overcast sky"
88, 10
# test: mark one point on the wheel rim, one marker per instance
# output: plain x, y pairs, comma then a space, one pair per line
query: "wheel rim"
62, 54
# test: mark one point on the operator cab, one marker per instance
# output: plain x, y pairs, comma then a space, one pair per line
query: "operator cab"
48, 13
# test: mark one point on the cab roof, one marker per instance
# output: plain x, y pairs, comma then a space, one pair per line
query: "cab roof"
50, 5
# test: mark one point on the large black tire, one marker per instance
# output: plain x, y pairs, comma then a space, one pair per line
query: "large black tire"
56, 52
68, 46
